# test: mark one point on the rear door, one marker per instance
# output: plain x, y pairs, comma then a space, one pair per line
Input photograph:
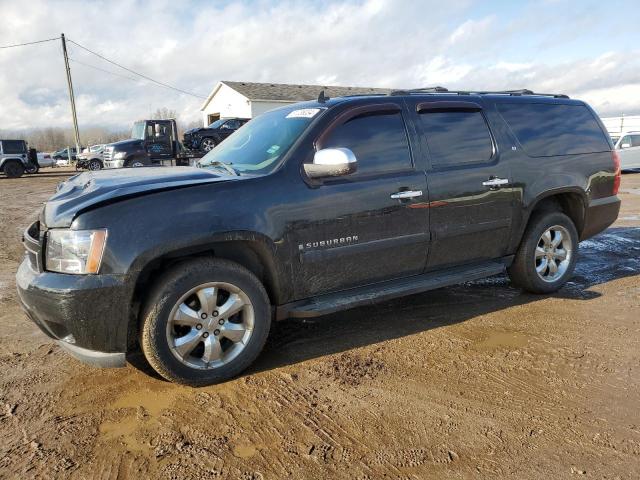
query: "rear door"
471, 203
369, 226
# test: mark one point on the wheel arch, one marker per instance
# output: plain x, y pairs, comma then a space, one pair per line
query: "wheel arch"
247, 249
572, 201
7, 160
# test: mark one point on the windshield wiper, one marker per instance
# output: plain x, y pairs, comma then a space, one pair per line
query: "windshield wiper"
226, 166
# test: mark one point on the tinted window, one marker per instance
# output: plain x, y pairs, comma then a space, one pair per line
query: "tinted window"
546, 130
635, 140
232, 124
13, 146
457, 138
379, 142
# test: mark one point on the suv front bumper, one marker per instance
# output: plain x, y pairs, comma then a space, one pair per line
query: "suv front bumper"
88, 315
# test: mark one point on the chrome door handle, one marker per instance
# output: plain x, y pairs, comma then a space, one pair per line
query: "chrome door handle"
407, 194
495, 182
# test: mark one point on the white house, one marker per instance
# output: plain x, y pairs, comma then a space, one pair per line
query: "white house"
247, 99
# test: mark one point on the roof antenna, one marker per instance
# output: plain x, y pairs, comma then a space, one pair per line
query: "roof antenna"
322, 98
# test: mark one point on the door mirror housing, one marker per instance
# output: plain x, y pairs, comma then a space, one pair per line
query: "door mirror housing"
331, 162
625, 145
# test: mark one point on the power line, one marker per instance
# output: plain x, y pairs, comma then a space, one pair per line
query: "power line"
103, 70
30, 43
136, 73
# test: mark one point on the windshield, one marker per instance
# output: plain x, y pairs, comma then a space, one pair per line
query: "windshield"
216, 124
138, 131
259, 144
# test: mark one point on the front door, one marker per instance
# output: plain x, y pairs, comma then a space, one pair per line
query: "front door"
470, 199
365, 227
159, 140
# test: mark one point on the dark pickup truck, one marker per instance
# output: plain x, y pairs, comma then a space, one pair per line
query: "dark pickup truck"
152, 142
314, 208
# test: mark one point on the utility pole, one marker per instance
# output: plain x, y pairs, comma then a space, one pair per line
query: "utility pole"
71, 96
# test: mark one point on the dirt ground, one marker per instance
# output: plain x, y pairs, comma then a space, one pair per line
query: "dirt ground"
472, 381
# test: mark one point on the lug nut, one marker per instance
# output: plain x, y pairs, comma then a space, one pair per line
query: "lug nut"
215, 313
221, 322
203, 316
216, 332
199, 326
205, 334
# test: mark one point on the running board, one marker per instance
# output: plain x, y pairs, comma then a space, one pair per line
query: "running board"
370, 294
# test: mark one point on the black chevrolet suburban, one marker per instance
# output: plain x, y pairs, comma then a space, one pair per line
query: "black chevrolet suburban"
314, 208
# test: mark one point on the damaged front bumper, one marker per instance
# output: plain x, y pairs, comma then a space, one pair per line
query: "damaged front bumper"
88, 315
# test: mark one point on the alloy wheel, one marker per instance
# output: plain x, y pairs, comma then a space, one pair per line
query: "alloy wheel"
207, 144
210, 325
553, 253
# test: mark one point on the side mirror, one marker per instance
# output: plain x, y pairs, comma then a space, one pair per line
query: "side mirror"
331, 162
625, 145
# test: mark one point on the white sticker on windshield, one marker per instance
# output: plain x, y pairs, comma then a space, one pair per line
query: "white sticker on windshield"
303, 113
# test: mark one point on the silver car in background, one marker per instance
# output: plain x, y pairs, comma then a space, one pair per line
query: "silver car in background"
91, 158
628, 148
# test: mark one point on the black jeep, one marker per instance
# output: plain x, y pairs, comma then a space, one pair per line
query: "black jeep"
206, 139
313, 208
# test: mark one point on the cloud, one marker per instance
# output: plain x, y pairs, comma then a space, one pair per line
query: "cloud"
193, 44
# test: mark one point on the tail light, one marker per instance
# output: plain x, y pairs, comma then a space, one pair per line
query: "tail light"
618, 172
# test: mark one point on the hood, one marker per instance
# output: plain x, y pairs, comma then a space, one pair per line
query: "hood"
130, 142
90, 189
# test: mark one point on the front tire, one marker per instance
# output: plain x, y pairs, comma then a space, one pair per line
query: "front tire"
207, 144
205, 321
95, 165
547, 254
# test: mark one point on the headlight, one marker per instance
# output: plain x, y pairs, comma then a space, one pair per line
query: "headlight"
75, 251
119, 155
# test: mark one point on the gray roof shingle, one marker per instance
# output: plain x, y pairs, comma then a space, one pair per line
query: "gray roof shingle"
296, 93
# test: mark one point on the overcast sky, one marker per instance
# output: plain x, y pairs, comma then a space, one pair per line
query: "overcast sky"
589, 50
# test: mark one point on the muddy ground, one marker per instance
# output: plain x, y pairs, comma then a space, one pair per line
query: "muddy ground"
472, 381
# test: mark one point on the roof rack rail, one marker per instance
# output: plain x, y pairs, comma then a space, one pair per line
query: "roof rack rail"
419, 90
513, 93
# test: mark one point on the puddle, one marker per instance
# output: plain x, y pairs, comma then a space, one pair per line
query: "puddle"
496, 340
124, 430
244, 451
153, 402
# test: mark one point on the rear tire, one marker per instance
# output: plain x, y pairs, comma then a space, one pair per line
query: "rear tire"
547, 254
13, 169
32, 169
189, 334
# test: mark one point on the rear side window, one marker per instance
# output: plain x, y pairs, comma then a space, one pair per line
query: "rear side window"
379, 142
546, 130
13, 146
457, 137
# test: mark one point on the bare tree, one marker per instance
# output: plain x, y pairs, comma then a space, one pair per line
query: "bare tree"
164, 113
